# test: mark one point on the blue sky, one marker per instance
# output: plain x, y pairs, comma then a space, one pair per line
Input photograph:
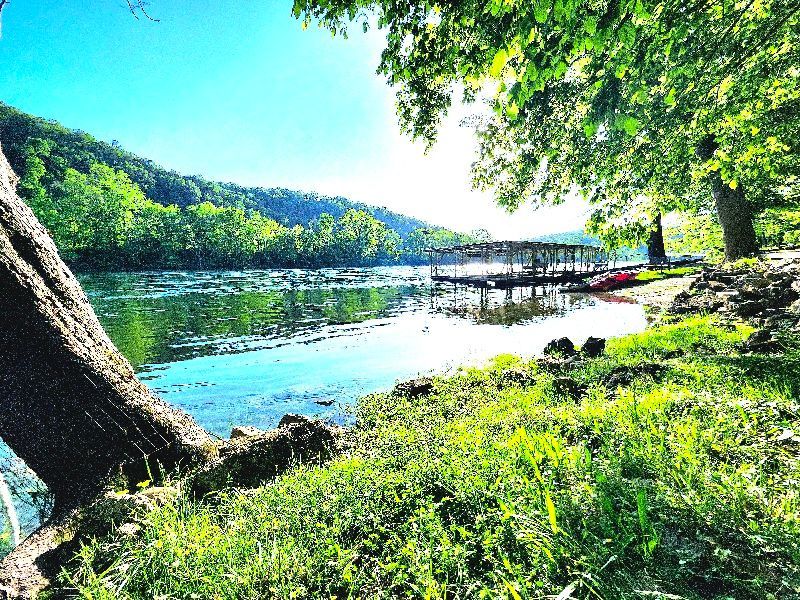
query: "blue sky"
237, 91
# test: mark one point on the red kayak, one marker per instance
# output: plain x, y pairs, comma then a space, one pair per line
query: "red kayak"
609, 281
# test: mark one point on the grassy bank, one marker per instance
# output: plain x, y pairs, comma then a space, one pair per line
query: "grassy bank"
668, 466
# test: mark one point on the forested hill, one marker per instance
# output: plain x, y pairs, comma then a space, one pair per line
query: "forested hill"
108, 209
79, 150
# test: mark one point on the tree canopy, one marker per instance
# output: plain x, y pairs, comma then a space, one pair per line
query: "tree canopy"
641, 105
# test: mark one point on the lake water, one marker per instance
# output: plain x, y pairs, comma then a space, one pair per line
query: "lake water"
246, 347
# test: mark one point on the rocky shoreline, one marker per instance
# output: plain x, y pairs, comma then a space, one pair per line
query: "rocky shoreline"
765, 294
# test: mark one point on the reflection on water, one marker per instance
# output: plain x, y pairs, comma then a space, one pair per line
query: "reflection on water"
513, 306
248, 347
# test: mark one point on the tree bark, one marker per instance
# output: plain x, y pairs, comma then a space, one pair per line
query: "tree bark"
70, 404
656, 253
733, 212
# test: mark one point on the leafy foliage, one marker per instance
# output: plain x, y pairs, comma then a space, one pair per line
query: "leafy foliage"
612, 98
700, 233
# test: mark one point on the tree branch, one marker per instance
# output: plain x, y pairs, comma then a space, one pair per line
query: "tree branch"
133, 6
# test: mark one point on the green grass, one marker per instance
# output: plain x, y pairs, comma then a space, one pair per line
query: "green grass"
656, 275
512, 482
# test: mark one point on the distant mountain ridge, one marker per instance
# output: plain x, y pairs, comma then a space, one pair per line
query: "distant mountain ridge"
78, 150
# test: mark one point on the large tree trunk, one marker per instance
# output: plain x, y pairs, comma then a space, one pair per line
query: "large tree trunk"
656, 254
73, 410
70, 404
733, 211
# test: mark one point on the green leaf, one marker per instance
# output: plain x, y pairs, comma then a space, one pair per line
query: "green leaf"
512, 110
551, 512
498, 63
512, 590
541, 10
628, 124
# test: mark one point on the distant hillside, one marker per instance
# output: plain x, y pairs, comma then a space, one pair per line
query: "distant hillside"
569, 237
581, 237
79, 150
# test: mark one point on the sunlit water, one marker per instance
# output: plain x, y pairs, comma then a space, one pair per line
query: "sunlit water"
247, 347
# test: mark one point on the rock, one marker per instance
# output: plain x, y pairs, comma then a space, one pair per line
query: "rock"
624, 375
113, 510
290, 419
594, 347
727, 294
761, 341
414, 388
717, 286
750, 308
568, 387
250, 461
515, 376
794, 308
128, 529
560, 347
160, 495
240, 431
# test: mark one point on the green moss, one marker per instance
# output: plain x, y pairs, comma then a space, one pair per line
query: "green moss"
678, 478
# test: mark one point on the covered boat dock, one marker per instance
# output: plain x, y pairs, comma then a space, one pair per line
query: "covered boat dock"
510, 264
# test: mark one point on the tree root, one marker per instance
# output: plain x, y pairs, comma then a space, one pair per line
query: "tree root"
244, 462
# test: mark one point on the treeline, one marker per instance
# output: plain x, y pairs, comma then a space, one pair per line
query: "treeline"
102, 220
103, 217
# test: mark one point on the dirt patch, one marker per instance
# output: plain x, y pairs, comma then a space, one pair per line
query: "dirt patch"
657, 294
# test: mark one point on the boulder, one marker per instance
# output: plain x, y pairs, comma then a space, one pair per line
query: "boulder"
750, 308
717, 286
114, 510
414, 388
766, 344
250, 461
560, 347
594, 347
240, 431
515, 376
290, 419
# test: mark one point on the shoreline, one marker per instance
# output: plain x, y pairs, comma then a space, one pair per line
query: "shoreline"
657, 294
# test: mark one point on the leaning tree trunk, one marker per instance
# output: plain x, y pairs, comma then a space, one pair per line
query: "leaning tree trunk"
734, 213
70, 404
656, 253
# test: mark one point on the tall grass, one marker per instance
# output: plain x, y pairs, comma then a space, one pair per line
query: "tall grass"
610, 479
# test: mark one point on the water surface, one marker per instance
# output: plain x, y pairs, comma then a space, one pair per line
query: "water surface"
247, 347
